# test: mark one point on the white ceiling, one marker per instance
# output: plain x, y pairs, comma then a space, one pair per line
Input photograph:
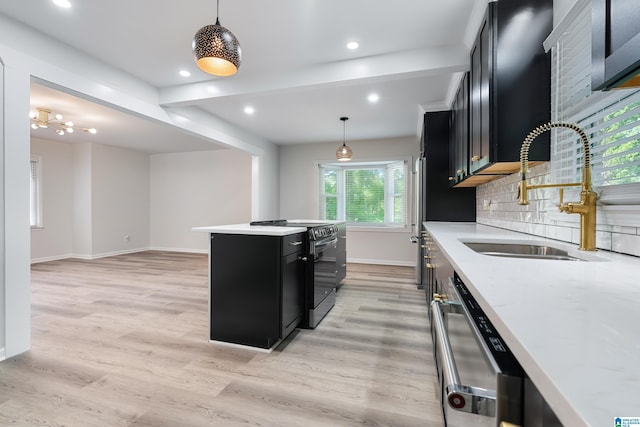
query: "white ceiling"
296, 71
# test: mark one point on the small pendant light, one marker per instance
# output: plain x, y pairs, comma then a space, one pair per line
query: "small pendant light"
216, 49
344, 153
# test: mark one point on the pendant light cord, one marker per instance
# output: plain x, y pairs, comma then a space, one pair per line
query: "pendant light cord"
344, 132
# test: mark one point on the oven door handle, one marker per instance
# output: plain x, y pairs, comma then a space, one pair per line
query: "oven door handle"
474, 400
321, 244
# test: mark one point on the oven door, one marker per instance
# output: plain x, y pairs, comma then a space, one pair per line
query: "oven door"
322, 290
470, 379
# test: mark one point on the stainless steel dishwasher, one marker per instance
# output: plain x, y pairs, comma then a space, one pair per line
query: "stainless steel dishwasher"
481, 383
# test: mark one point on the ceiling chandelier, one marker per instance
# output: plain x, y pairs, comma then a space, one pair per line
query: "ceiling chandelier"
344, 153
216, 49
42, 118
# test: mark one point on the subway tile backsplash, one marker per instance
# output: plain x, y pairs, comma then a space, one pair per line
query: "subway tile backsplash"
497, 206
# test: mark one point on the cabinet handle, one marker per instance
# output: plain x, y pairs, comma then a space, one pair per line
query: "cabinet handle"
450, 178
298, 243
303, 258
459, 171
475, 158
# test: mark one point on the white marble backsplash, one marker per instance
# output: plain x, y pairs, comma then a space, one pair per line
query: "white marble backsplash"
497, 205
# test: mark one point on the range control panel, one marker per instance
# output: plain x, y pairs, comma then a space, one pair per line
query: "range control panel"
323, 231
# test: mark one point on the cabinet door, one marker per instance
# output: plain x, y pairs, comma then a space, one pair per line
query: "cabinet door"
245, 291
292, 291
341, 254
480, 107
459, 144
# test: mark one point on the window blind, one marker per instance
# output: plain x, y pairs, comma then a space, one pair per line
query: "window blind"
610, 119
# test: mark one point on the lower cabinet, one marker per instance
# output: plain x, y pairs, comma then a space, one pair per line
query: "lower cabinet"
256, 288
341, 254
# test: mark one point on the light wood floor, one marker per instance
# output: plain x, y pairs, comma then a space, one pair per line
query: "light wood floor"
122, 341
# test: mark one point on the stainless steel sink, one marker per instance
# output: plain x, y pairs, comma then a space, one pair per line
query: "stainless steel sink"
522, 250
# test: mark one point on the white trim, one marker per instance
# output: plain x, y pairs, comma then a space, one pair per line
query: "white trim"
183, 250
3, 355
108, 254
382, 228
606, 217
379, 262
104, 255
564, 24
624, 194
51, 258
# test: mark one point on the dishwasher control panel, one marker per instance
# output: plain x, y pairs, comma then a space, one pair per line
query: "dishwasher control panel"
494, 343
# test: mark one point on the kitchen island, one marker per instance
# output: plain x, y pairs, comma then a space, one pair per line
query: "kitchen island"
256, 283
572, 325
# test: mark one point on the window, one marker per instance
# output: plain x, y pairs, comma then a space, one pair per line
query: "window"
36, 192
610, 119
373, 193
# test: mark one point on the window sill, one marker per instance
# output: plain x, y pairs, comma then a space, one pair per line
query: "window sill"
378, 229
606, 215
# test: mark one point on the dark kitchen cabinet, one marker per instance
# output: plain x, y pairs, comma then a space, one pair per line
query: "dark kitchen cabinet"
341, 254
459, 127
257, 288
510, 88
440, 201
615, 60
480, 106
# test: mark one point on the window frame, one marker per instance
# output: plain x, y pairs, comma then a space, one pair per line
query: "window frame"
35, 184
341, 188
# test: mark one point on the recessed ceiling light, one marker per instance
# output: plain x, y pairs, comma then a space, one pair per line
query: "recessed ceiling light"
249, 110
373, 98
185, 73
62, 3
352, 45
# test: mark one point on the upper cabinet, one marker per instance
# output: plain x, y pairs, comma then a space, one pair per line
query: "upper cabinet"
615, 44
459, 133
509, 89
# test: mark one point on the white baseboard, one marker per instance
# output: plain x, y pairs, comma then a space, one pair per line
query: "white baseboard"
3, 354
186, 250
108, 254
382, 262
51, 258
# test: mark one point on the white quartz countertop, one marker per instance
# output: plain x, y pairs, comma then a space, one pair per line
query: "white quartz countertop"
251, 229
573, 326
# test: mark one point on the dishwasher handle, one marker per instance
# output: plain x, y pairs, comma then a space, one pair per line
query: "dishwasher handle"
474, 400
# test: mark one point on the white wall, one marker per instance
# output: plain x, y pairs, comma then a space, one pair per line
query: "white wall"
3, 321
298, 195
16, 279
93, 195
197, 189
55, 239
82, 233
120, 200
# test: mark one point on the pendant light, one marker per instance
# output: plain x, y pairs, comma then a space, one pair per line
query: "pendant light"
216, 49
344, 153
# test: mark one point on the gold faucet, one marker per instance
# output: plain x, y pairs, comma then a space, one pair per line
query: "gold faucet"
586, 207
